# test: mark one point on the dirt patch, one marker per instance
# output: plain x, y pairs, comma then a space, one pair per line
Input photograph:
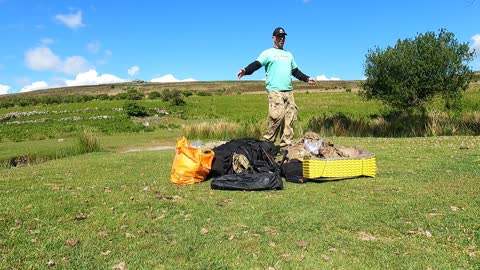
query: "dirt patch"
152, 148
209, 145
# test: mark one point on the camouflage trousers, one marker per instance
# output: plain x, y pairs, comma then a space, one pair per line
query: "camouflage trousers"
282, 114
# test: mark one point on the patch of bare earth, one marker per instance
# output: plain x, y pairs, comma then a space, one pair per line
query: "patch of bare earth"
208, 145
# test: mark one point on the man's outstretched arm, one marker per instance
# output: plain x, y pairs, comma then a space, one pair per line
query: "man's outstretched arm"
301, 76
250, 69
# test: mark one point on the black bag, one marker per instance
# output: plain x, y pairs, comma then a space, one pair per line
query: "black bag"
248, 181
254, 150
263, 173
293, 171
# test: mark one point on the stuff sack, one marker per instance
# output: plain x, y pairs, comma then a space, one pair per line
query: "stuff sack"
191, 165
293, 171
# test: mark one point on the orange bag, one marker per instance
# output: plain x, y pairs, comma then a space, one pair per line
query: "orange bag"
191, 165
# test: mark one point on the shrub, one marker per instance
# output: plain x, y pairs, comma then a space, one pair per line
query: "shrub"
134, 109
6, 104
177, 101
203, 94
187, 93
103, 97
134, 94
167, 94
410, 74
174, 97
154, 95
121, 96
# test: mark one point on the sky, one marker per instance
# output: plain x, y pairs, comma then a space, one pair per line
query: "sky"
57, 43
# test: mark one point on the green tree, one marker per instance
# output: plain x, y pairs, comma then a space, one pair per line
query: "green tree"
410, 74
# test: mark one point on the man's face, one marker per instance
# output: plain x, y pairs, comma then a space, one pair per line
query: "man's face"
279, 40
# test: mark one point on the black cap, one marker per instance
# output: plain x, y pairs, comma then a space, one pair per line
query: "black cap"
278, 31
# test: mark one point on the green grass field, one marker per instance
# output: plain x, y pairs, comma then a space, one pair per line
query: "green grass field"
46, 130
98, 210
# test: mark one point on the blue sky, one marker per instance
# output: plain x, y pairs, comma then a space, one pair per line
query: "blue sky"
48, 44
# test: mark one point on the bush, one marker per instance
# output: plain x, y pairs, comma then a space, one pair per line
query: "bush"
410, 74
6, 104
187, 93
121, 96
103, 97
167, 94
174, 97
134, 94
154, 95
134, 109
177, 101
203, 94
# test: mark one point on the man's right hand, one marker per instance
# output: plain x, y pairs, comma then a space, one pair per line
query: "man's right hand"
241, 73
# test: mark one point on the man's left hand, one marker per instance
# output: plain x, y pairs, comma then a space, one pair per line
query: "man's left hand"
311, 80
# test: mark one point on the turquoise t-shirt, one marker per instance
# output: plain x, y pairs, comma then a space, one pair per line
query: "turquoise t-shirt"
278, 65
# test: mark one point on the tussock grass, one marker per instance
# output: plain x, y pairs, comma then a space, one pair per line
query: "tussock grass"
224, 130
87, 142
397, 124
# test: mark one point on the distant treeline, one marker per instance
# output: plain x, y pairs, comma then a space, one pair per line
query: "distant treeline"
175, 96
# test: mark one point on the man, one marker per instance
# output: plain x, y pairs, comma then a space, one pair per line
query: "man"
279, 68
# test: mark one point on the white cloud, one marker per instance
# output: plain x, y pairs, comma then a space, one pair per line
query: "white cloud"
104, 59
325, 78
170, 78
75, 65
4, 89
34, 86
133, 70
22, 80
42, 58
476, 44
47, 41
91, 77
93, 47
71, 20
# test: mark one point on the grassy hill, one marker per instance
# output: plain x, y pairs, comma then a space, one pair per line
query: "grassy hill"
228, 87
